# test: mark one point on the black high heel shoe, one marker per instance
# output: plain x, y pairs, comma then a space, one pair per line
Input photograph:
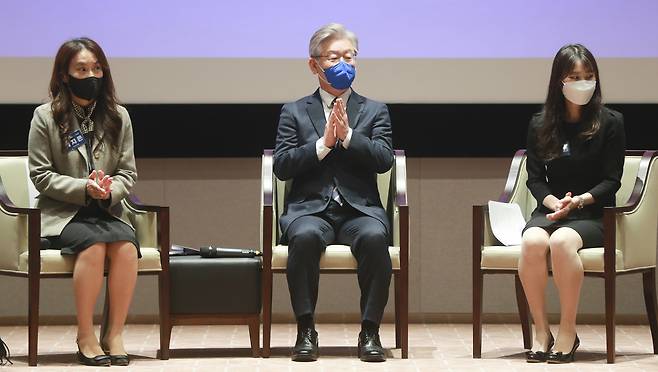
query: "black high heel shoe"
540, 356
96, 361
559, 357
116, 360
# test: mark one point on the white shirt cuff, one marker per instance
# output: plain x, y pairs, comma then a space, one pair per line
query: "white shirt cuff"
348, 137
321, 149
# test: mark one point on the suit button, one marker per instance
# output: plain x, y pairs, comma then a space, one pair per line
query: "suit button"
326, 198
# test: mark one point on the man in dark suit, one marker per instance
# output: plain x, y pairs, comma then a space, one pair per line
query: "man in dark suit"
332, 144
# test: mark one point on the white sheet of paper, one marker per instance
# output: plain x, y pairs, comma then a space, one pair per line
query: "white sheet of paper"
506, 221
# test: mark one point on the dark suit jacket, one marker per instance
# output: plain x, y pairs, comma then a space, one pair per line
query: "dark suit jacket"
353, 170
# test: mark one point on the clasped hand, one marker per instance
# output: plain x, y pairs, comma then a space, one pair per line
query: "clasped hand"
563, 207
99, 185
337, 126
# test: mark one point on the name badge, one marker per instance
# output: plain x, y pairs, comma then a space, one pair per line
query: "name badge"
566, 150
75, 140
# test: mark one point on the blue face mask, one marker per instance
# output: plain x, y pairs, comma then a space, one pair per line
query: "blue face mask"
340, 75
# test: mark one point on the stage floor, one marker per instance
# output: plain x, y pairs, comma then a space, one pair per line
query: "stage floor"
433, 347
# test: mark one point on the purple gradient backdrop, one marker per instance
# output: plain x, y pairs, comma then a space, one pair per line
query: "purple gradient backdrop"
281, 29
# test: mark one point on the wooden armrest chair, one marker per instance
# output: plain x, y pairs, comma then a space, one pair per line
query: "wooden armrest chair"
338, 258
629, 247
20, 243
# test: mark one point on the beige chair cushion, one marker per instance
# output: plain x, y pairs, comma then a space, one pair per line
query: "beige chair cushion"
52, 261
507, 258
336, 257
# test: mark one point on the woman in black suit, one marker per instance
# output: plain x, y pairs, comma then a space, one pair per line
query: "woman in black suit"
575, 159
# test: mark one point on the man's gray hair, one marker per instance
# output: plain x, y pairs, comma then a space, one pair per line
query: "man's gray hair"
330, 31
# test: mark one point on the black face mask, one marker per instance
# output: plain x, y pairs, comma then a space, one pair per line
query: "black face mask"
87, 88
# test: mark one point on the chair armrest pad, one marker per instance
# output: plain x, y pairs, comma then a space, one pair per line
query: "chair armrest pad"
400, 179
512, 177
267, 180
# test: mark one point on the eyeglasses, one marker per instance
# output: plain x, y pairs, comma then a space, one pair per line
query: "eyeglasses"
348, 56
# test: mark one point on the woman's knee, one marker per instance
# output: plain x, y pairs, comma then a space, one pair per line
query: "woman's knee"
124, 252
534, 245
93, 255
564, 242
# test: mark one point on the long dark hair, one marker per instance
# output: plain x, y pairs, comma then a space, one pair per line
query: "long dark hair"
105, 114
553, 113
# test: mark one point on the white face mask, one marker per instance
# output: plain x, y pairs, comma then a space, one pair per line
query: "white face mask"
579, 92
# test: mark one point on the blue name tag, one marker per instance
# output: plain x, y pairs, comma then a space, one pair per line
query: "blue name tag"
75, 140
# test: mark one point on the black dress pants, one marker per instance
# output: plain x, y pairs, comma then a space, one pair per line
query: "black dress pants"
309, 236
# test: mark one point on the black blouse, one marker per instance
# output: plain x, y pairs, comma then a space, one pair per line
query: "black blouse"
593, 165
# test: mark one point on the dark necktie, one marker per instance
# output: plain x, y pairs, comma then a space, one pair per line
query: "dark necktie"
334, 192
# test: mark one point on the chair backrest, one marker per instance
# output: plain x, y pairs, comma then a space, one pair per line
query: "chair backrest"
21, 192
145, 224
15, 178
522, 196
631, 167
14, 173
637, 232
281, 189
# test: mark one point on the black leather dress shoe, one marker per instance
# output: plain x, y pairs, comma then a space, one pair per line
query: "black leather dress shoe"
96, 361
540, 356
116, 360
370, 348
306, 347
119, 360
560, 357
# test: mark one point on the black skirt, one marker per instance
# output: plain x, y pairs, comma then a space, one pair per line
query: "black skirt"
589, 229
89, 226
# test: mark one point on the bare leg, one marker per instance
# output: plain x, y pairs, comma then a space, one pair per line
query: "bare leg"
568, 275
87, 282
122, 278
533, 272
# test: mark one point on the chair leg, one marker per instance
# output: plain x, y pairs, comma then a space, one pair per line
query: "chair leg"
522, 304
267, 312
33, 318
404, 313
610, 317
254, 336
396, 280
477, 314
649, 284
165, 315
